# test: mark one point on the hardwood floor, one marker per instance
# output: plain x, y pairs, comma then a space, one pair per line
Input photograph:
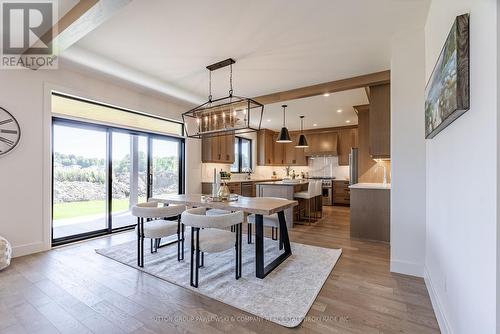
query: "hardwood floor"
74, 290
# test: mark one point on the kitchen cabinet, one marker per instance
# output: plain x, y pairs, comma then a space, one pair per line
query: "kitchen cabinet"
265, 147
322, 143
294, 156
219, 149
278, 151
348, 138
380, 121
341, 192
248, 189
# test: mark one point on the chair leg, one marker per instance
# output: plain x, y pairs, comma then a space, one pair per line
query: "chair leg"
178, 238
249, 234
193, 275
138, 242
182, 241
238, 257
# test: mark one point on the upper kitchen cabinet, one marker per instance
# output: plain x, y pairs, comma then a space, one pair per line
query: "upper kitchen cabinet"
380, 121
322, 143
348, 138
219, 149
293, 155
265, 147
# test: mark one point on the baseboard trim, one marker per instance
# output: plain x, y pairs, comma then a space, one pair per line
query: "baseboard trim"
26, 249
407, 268
443, 323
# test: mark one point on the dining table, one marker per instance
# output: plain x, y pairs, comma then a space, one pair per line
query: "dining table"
259, 206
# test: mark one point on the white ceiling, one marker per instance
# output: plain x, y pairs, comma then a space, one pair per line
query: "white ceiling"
277, 44
320, 110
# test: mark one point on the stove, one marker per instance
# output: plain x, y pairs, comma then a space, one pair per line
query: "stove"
327, 180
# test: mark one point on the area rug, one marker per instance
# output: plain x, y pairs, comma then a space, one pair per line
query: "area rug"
284, 296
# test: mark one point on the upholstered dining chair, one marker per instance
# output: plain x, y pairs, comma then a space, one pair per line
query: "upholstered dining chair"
152, 223
271, 221
208, 235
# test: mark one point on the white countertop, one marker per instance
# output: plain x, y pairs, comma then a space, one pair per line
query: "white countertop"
370, 186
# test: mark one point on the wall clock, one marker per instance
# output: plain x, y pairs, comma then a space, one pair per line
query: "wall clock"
10, 133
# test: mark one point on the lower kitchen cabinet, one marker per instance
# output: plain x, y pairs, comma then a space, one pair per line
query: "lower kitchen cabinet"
341, 192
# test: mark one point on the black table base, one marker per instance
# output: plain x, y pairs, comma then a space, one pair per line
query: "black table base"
262, 271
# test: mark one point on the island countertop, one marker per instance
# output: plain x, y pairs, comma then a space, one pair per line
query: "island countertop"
282, 183
382, 186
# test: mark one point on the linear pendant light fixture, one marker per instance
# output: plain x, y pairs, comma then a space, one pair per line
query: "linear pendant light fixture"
302, 143
284, 136
229, 115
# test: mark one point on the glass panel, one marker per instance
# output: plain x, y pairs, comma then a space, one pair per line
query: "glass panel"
246, 151
79, 181
129, 179
75, 108
236, 164
165, 169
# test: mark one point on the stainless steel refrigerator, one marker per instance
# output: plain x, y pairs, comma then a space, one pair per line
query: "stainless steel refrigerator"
353, 166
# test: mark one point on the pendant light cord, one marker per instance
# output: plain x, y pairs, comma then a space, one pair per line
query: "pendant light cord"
231, 80
284, 121
210, 86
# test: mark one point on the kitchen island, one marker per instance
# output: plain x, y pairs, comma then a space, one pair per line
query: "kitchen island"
370, 211
282, 189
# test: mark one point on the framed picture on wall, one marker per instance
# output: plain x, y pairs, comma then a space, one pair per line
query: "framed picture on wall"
447, 91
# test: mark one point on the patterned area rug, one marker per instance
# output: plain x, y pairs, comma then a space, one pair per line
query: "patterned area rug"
284, 296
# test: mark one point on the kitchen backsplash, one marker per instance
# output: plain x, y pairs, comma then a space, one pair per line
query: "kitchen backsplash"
319, 166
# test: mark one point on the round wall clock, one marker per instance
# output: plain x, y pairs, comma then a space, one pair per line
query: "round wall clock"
10, 133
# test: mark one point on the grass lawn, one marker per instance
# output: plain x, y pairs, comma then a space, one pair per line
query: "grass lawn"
88, 208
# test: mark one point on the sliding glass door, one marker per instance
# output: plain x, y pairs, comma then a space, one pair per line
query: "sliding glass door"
129, 161
79, 180
100, 172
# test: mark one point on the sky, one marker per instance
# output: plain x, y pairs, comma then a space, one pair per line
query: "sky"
92, 143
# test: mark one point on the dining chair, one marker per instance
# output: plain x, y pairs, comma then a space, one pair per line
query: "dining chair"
271, 221
152, 223
208, 235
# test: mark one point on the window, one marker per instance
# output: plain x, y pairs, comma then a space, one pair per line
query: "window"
100, 172
242, 155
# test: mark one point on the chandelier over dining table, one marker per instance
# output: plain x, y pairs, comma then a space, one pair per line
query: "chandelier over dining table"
228, 115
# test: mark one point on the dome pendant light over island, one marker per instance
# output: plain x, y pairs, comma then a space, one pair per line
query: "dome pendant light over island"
284, 136
302, 143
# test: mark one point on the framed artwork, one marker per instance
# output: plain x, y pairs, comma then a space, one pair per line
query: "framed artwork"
447, 91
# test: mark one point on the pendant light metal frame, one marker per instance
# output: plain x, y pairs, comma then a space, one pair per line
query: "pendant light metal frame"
224, 116
302, 143
284, 136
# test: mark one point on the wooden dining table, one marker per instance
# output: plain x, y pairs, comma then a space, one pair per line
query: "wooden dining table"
260, 207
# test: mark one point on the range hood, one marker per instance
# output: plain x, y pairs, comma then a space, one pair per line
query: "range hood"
322, 144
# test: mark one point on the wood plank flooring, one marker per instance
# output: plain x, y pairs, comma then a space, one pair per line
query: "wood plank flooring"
74, 290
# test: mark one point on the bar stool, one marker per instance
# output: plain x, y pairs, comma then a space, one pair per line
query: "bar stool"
208, 235
319, 198
308, 196
156, 227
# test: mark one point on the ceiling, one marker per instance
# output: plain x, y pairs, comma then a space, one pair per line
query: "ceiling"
277, 44
320, 110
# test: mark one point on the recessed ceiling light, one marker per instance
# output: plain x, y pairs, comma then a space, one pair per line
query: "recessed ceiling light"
339, 110
315, 124
326, 94
348, 121
269, 120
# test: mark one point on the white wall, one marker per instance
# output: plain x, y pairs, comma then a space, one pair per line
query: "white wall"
25, 172
407, 154
461, 240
